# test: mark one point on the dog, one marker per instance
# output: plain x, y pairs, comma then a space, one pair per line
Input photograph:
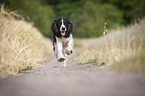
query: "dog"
62, 39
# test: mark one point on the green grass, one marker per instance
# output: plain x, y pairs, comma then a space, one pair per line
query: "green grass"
26, 69
115, 48
21, 45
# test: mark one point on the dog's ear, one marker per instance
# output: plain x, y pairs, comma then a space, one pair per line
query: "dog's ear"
54, 27
70, 26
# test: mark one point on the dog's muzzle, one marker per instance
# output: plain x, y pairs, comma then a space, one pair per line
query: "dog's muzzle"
62, 30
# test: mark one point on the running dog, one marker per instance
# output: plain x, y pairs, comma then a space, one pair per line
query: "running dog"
62, 39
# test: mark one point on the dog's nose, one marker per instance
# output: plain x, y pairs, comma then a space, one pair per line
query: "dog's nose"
63, 28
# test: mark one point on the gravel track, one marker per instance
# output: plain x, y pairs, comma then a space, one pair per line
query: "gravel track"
74, 80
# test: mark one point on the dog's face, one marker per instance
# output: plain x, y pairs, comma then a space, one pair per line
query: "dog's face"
62, 27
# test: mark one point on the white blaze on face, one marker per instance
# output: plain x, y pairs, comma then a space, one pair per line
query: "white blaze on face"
62, 28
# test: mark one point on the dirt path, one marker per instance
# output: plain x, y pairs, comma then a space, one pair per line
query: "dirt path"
75, 80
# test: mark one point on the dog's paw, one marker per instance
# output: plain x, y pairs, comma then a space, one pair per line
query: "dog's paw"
68, 52
64, 65
61, 59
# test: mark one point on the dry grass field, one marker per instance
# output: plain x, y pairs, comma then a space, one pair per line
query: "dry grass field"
22, 46
121, 49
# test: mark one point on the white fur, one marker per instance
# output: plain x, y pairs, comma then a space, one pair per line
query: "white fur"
62, 25
62, 46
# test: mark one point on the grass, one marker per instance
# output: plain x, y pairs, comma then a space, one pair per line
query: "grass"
135, 64
21, 45
117, 49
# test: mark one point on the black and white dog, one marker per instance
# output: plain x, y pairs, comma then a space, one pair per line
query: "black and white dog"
62, 39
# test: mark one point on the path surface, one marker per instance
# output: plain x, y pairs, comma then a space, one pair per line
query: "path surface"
75, 80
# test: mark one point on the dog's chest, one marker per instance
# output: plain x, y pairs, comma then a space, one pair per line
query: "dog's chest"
64, 40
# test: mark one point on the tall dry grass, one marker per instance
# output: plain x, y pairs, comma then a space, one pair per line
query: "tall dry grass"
115, 47
21, 45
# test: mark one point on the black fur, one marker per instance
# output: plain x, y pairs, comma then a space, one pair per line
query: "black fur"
56, 26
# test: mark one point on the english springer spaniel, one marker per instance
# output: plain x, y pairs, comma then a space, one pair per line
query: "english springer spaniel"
62, 39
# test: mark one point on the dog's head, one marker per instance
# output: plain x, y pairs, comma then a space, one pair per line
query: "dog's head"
62, 27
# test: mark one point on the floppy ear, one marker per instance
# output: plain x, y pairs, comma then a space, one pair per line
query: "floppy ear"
70, 27
54, 27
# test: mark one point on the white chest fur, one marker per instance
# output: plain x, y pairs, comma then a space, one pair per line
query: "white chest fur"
63, 47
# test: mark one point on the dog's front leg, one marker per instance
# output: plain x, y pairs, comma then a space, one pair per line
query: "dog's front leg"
59, 45
70, 45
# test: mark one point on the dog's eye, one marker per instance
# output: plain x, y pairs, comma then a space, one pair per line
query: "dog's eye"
61, 23
64, 23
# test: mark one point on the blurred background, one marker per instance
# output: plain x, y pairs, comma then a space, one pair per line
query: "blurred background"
88, 16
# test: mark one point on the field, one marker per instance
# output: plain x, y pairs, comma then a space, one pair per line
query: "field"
22, 46
121, 49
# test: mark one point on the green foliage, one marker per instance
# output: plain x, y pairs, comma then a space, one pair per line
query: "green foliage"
132, 9
89, 23
88, 16
112, 16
